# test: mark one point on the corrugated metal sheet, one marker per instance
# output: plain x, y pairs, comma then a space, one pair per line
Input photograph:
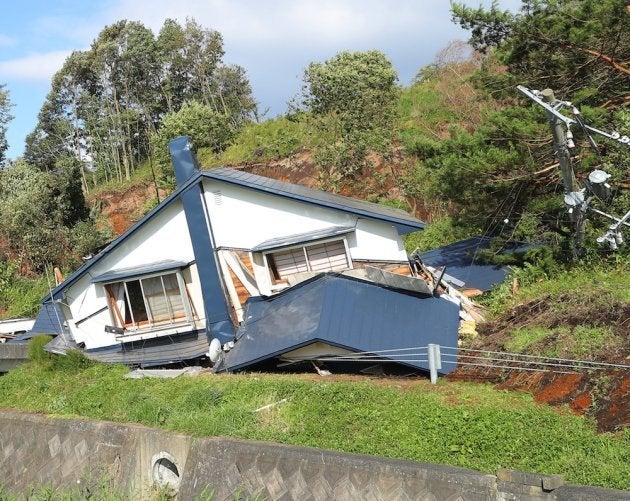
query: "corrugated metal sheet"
462, 262
49, 321
345, 312
136, 271
401, 219
301, 238
156, 351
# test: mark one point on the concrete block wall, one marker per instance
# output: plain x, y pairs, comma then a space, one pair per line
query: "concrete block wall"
41, 451
12, 355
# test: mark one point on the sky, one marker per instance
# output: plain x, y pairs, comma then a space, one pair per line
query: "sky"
274, 40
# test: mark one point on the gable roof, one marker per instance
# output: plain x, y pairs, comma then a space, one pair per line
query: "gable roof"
348, 313
404, 222
121, 238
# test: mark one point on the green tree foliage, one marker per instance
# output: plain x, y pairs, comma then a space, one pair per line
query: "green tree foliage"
41, 224
106, 103
5, 118
491, 156
352, 103
568, 46
206, 127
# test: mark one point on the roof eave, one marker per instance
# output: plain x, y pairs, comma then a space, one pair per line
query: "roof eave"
54, 294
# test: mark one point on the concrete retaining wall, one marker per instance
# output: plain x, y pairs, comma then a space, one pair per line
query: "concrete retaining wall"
37, 450
12, 355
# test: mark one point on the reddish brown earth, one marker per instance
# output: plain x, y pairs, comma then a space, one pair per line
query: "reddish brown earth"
123, 208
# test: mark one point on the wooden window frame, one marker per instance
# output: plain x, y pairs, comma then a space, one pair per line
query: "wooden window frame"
271, 266
150, 324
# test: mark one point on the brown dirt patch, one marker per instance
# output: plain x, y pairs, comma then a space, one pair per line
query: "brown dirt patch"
123, 208
605, 396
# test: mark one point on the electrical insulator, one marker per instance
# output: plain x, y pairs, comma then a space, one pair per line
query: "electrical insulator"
608, 240
575, 204
597, 181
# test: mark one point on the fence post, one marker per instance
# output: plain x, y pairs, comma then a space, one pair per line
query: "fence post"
435, 361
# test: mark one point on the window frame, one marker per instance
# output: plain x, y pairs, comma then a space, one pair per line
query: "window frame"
150, 324
270, 263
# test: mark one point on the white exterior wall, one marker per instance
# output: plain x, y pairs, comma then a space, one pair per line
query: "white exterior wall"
374, 240
164, 237
243, 218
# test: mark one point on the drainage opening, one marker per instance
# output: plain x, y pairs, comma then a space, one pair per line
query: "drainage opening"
165, 471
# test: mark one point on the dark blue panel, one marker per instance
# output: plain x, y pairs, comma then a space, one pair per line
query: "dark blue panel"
215, 302
152, 352
346, 312
49, 321
184, 159
461, 261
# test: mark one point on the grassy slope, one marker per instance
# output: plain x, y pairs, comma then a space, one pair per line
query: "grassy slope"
461, 424
581, 313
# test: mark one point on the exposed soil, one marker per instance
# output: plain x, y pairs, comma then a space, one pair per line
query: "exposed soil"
603, 395
123, 208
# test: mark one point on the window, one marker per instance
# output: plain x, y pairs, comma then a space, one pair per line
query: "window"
328, 256
149, 302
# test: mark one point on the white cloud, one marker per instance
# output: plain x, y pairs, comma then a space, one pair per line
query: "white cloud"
39, 67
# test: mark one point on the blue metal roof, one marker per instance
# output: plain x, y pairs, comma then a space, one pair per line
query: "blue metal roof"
300, 238
135, 271
49, 321
346, 312
462, 262
404, 222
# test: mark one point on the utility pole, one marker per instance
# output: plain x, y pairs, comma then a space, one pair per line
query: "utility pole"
597, 183
573, 196
560, 145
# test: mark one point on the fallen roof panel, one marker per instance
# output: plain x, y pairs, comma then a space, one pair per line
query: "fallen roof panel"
345, 312
49, 321
462, 261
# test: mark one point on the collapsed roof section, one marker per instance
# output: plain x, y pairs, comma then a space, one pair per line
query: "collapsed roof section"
334, 312
462, 261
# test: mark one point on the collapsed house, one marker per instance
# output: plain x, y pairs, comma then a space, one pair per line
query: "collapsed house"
265, 270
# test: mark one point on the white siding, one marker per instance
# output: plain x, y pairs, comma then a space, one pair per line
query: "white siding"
245, 218
164, 237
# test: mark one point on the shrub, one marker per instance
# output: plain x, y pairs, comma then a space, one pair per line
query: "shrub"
36, 351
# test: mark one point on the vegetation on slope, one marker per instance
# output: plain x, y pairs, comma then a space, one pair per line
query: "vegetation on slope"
461, 424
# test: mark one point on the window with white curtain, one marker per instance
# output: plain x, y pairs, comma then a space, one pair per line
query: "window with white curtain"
143, 303
320, 257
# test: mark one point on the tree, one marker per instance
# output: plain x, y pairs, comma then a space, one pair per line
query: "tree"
352, 100
501, 173
570, 46
5, 118
206, 127
107, 102
43, 218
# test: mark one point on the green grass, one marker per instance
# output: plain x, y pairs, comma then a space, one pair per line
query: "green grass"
603, 284
468, 425
521, 339
260, 142
19, 295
